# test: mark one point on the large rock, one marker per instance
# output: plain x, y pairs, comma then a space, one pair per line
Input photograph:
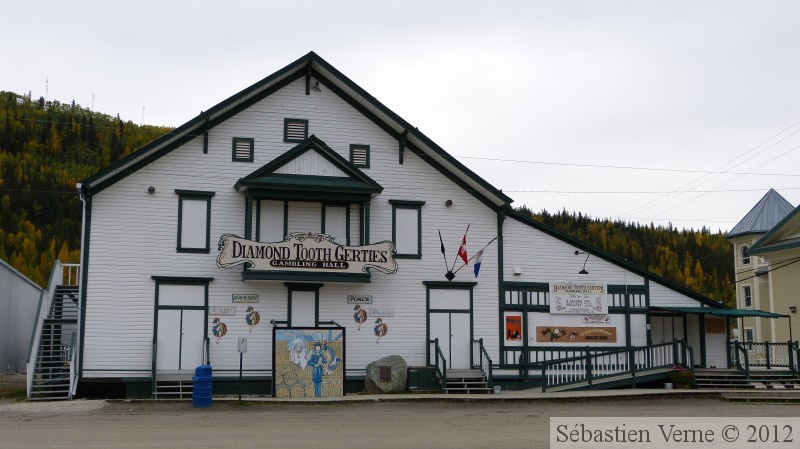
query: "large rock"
399, 381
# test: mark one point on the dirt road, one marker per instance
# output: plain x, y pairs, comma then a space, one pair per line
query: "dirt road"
422, 424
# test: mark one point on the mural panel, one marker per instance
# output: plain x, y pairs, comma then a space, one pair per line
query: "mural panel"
308, 362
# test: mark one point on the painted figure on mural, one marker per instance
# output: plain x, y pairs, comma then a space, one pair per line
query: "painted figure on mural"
380, 329
317, 360
218, 328
359, 315
252, 317
298, 353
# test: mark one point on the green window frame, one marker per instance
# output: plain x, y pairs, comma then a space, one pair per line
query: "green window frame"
239, 144
407, 205
359, 155
194, 195
295, 130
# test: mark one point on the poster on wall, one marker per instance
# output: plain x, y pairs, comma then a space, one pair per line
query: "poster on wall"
572, 298
596, 319
308, 362
572, 334
513, 328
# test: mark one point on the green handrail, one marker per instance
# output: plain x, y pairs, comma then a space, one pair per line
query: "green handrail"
441, 370
484, 353
740, 348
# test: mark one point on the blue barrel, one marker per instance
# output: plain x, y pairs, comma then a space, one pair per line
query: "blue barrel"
201, 388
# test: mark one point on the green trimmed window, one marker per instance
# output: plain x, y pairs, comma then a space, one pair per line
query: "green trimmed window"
407, 228
295, 130
359, 155
243, 149
194, 221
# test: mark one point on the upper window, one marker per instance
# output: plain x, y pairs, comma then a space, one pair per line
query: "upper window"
407, 228
242, 149
359, 155
747, 296
745, 256
194, 221
295, 130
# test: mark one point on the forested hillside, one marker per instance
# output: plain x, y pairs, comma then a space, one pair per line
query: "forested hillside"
48, 147
697, 259
45, 149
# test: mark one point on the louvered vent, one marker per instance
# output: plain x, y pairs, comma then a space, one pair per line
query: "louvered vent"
359, 155
242, 149
295, 130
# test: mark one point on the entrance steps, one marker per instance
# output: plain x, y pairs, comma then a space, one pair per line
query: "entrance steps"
467, 381
174, 390
732, 379
764, 396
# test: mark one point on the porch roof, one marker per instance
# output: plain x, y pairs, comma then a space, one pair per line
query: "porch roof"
733, 313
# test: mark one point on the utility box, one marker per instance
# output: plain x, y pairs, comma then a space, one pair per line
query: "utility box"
423, 378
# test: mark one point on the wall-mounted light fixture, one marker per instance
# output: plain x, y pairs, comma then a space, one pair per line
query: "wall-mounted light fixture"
151, 190
448, 203
315, 86
583, 270
793, 309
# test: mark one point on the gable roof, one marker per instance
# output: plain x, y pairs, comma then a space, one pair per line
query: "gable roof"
771, 209
784, 235
355, 181
616, 260
308, 66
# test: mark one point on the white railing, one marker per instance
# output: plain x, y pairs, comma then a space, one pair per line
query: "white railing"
70, 274
589, 368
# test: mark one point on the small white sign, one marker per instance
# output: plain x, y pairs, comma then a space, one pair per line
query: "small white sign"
352, 299
242, 345
596, 319
381, 312
237, 297
573, 298
222, 310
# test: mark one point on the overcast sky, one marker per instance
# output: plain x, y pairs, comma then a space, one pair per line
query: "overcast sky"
599, 107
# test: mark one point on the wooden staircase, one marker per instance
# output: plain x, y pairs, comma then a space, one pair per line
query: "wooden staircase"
51, 376
467, 381
732, 379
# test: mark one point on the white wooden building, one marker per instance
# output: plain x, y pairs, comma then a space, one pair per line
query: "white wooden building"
305, 152
19, 298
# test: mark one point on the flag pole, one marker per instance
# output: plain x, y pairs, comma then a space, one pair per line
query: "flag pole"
459, 247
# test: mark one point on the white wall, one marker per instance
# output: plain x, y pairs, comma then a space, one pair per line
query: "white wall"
19, 299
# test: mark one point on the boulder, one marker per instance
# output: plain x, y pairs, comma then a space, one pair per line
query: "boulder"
399, 376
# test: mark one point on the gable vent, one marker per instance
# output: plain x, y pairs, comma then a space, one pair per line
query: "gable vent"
295, 130
242, 149
359, 155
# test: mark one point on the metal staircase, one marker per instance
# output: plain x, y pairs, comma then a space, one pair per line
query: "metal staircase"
51, 372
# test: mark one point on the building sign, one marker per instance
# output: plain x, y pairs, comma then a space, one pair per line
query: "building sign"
596, 319
553, 334
244, 298
578, 299
381, 312
306, 252
222, 310
352, 299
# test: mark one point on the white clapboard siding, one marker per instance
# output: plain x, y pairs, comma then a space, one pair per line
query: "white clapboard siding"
134, 236
543, 258
304, 217
310, 163
663, 296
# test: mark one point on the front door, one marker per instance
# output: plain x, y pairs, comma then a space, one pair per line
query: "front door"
452, 330
180, 340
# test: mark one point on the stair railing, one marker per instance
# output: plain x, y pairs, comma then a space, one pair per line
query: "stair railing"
439, 361
742, 359
484, 361
45, 301
71, 356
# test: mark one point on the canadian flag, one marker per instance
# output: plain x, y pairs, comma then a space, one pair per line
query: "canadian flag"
462, 250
